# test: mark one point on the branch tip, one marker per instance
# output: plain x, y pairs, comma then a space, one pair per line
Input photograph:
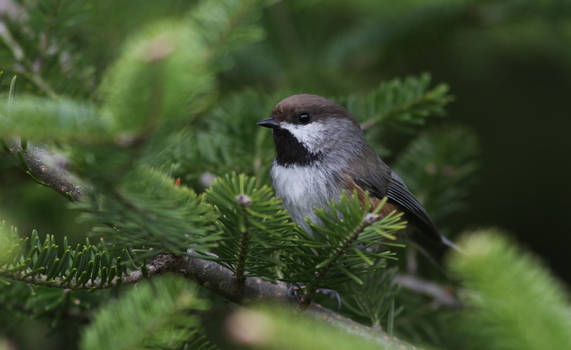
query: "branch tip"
371, 218
243, 200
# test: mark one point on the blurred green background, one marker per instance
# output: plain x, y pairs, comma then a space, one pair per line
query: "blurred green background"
508, 64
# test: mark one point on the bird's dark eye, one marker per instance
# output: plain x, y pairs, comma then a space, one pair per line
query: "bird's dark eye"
303, 118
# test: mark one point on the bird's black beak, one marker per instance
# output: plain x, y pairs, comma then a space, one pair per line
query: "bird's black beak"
268, 123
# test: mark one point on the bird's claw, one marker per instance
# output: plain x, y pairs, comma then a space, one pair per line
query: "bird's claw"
333, 294
295, 290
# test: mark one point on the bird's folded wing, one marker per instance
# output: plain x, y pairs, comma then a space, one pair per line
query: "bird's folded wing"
422, 233
398, 193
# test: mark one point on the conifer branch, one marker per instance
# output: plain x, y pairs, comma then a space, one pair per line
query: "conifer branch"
220, 280
339, 252
395, 111
406, 101
441, 295
23, 66
235, 19
158, 314
244, 201
217, 278
157, 265
207, 273
46, 168
42, 166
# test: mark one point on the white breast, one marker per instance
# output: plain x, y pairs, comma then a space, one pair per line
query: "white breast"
302, 188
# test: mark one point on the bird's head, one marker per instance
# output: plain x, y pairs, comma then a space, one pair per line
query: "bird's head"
308, 127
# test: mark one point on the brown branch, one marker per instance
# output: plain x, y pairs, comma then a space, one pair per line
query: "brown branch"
220, 280
47, 169
440, 294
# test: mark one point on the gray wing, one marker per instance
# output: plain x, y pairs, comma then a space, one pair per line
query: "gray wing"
399, 194
381, 181
427, 239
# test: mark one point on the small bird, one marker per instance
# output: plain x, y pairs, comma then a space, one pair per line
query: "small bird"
321, 151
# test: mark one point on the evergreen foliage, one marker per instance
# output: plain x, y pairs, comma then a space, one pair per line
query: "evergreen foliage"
9, 241
440, 168
339, 250
62, 120
155, 314
171, 173
510, 293
274, 327
223, 141
149, 210
400, 102
254, 226
374, 300
44, 262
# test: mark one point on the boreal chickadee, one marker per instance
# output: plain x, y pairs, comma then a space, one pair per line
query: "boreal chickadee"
321, 151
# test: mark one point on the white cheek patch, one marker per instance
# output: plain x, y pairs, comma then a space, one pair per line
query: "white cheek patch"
311, 135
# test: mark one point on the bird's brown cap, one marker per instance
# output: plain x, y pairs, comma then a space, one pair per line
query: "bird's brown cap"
319, 108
